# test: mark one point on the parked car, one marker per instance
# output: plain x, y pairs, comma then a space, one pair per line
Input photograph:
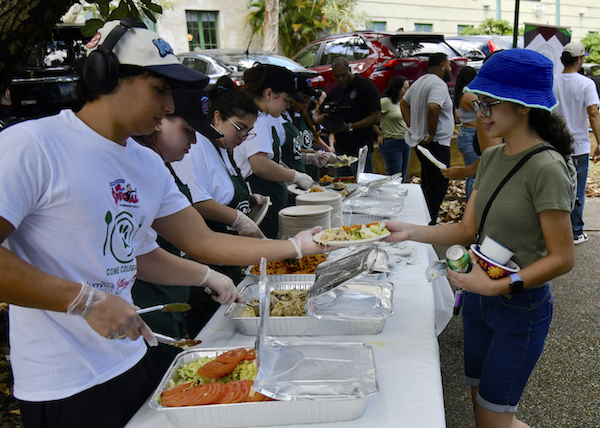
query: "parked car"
379, 55
46, 82
474, 56
489, 43
233, 62
593, 72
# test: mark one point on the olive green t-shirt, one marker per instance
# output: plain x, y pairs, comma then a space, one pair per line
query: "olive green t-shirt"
543, 183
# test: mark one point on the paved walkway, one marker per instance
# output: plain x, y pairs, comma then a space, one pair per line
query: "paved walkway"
564, 389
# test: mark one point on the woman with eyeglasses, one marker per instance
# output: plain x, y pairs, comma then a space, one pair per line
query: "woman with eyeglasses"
506, 318
272, 88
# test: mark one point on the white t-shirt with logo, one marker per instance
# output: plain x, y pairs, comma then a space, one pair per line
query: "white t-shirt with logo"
575, 93
263, 142
206, 172
82, 207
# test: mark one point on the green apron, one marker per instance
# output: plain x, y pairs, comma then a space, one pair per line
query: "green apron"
291, 151
308, 141
240, 201
146, 294
276, 190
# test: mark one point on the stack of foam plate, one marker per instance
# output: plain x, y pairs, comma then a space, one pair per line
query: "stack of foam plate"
296, 219
334, 200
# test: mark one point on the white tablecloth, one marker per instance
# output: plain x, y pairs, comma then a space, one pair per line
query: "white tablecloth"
406, 351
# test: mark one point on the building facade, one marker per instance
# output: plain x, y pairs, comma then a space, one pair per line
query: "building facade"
205, 24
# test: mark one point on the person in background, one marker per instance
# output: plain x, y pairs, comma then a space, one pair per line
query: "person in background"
427, 110
358, 101
79, 232
394, 149
172, 139
298, 151
506, 320
272, 88
578, 101
467, 117
216, 186
326, 139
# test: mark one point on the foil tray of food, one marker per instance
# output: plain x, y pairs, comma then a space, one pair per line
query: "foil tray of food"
288, 297
257, 413
303, 266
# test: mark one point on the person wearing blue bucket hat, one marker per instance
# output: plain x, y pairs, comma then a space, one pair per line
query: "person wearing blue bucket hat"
522, 198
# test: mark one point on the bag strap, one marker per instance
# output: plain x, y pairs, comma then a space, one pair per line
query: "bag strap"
501, 185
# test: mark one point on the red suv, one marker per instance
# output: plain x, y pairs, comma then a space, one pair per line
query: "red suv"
379, 55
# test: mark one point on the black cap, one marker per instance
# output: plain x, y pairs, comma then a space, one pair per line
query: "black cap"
192, 105
305, 86
280, 79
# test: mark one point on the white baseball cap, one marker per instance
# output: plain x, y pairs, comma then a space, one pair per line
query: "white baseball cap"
144, 48
575, 49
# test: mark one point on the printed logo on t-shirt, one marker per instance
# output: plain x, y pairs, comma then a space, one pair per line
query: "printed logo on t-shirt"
120, 232
353, 94
124, 194
243, 206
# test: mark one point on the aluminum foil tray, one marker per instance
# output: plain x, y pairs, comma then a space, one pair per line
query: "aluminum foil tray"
259, 414
294, 326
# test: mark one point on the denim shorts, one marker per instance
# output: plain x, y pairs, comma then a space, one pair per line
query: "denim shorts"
503, 339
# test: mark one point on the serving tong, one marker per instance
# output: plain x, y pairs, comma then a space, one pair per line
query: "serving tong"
168, 307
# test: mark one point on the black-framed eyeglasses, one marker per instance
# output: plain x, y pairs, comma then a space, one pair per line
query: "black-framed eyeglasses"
485, 106
248, 135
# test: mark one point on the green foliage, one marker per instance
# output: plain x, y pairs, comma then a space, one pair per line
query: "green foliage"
592, 45
107, 12
344, 15
300, 22
492, 26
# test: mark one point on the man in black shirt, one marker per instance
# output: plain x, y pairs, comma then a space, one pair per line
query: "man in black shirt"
358, 101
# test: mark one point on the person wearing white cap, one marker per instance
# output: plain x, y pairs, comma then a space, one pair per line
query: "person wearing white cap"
79, 198
578, 100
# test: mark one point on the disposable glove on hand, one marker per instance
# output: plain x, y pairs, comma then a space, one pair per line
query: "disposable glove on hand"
324, 158
216, 283
256, 199
304, 245
110, 315
304, 181
246, 227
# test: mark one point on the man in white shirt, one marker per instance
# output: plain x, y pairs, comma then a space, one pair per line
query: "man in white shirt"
578, 101
78, 203
427, 110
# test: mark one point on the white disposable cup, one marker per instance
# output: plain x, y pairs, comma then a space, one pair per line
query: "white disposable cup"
495, 251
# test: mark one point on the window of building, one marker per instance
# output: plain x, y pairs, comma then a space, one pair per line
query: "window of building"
376, 26
460, 29
202, 29
424, 27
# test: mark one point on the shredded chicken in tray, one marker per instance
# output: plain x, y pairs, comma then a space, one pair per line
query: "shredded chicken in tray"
336, 234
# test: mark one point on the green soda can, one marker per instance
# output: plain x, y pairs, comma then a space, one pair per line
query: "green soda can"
458, 259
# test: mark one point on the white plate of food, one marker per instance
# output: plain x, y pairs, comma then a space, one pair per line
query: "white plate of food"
293, 188
351, 236
344, 160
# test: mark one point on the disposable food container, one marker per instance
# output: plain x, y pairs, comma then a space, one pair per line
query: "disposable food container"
343, 298
297, 325
309, 409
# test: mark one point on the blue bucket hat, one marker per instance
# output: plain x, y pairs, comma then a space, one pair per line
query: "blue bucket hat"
521, 76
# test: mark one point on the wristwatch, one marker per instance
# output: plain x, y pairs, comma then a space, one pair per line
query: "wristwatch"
350, 128
516, 284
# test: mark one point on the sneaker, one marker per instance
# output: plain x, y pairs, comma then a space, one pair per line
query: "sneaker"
580, 238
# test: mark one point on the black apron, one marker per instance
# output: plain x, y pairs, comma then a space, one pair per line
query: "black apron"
276, 190
308, 143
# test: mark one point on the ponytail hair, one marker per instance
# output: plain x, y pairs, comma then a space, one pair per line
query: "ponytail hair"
229, 100
552, 129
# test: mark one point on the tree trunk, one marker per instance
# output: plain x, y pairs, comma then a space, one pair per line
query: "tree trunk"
22, 23
271, 26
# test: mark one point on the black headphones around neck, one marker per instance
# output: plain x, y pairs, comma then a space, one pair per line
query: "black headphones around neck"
101, 67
